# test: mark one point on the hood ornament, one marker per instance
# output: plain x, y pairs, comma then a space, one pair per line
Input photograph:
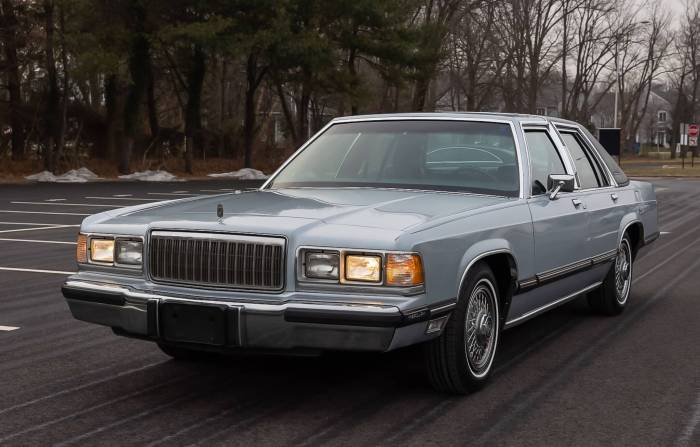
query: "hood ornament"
220, 212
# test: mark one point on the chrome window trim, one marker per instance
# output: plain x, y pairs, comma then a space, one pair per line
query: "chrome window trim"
591, 147
565, 157
594, 153
344, 120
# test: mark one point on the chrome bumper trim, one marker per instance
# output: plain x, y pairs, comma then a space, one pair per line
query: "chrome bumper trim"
370, 310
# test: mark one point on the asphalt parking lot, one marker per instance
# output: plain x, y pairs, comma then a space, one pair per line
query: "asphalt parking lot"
565, 378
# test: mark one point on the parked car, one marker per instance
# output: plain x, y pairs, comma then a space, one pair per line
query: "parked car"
381, 232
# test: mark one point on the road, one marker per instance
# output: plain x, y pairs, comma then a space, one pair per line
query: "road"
565, 378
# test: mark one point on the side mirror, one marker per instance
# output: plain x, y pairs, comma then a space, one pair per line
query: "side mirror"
557, 183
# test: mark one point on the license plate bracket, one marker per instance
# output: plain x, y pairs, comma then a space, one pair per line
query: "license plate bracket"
206, 324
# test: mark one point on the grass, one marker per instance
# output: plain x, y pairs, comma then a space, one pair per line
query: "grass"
650, 167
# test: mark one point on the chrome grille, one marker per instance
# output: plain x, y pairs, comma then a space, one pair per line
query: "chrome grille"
220, 260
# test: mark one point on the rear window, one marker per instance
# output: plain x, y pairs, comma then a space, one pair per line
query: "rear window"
609, 161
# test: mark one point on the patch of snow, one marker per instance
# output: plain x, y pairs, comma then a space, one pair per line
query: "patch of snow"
241, 174
81, 175
151, 176
44, 176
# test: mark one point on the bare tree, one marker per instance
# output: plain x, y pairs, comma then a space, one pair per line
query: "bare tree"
684, 69
475, 60
595, 27
639, 62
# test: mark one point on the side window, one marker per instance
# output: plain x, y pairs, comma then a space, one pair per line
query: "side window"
590, 174
544, 159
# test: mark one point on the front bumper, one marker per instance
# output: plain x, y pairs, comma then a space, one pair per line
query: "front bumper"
285, 326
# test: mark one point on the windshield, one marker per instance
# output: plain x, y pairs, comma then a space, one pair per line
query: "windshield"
469, 156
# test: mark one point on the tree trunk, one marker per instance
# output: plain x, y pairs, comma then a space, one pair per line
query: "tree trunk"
63, 123
151, 95
52, 109
532, 92
253, 79
303, 115
420, 94
193, 109
564, 50
109, 148
354, 109
9, 28
285, 110
223, 100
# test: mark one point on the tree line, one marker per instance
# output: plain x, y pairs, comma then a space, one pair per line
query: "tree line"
123, 79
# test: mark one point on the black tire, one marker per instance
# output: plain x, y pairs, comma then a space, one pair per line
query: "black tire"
185, 354
612, 296
449, 366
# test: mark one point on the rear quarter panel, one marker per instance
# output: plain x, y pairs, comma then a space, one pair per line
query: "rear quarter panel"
647, 207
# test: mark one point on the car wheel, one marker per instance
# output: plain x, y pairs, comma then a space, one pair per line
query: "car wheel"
461, 359
612, 296
184, 354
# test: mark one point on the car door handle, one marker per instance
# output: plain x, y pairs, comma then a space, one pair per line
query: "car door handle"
614, 197
576, 202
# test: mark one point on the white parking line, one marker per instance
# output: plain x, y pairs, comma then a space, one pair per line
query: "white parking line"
122, 195
121, 198
664, 232
217, 190
43, 224
55, 200
171, 194
64, 204
8, 328
43, 212
55, 272
52, 227
2, 239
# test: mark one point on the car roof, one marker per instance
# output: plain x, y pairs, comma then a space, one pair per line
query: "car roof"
514, 117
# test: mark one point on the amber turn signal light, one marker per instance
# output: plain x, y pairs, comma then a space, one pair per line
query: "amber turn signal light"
404, 270
81, 249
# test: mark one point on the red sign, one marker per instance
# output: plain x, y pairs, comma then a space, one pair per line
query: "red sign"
693, 130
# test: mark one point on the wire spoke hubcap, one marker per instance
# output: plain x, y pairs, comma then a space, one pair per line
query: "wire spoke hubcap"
623, 271
480, 326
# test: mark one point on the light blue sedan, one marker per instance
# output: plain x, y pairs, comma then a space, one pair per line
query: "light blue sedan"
381, 232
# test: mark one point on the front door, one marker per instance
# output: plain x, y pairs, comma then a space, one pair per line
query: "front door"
560, 231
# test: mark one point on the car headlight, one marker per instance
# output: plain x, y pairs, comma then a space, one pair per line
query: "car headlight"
322, 265
363, 268
350, 267
129, 252
102, 250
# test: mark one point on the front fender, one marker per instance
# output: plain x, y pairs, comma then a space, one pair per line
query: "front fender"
481, 250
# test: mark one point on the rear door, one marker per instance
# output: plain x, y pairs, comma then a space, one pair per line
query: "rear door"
596, 189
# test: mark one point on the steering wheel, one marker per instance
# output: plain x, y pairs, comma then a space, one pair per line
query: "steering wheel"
473, 172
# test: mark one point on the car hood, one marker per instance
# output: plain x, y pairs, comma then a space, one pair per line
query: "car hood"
286, 210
